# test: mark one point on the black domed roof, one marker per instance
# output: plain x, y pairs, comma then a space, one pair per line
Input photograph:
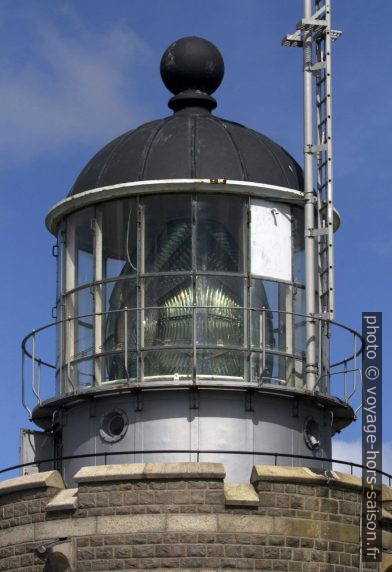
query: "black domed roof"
192, 143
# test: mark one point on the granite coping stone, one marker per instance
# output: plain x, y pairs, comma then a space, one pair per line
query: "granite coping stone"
34, 481
285, 474
64, 500
139, 471
344, 480
238, 494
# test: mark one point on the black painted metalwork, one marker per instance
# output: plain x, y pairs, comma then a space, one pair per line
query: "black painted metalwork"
197, 452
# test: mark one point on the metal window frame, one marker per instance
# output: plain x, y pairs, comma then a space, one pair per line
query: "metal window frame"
194, 273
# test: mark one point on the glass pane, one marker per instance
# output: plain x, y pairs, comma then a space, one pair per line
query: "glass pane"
277, 324
277, 370
299, 321
120, 294
299, 245
84, 372
84, 333
119, 237
223, 322
220, 233
116, 320
83, 235
176, 364
168, 233
113, 366
220, 364
60, 260
171, 322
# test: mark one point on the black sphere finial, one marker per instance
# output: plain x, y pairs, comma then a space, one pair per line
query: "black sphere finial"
192, 69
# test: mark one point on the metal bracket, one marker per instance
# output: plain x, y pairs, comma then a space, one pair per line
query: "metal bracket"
318, 66
249, 400
322, 316
194, 398
335, 34
292, 40
312, 25
315, 149
139, 400
313, 232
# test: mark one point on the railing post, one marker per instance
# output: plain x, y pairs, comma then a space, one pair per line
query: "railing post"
194, 340
126, 341
320, 356
39, 380
69, 354
262, 344
345, 380
23, 384
33, 367
355, 365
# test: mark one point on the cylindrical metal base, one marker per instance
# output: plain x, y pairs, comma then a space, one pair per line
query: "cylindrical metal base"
235, 426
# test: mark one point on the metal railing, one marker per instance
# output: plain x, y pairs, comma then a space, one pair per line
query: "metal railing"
270, 338
56, 461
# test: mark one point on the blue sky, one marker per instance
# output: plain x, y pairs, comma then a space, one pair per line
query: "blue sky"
74, 75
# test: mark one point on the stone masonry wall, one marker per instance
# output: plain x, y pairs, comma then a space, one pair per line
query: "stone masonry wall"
182, 516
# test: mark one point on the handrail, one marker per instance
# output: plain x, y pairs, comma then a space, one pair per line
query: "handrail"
294, 354
196, 307
196, 452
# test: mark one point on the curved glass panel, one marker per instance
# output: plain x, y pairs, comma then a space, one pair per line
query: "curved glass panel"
222, 323
168, 316
119, 328
168, 286
275, 297
220, 233
219, 364
80, 232
113, 366
119, 237
174, 364
167, 233
273, 369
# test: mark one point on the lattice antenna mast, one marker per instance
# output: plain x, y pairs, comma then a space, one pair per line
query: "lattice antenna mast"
315, 36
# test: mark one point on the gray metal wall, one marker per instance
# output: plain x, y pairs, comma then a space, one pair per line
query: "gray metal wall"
178, 419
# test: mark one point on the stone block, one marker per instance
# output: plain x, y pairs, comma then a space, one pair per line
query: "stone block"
296, 527
240, 494
386, 516
344, 480
47, 479
65, 527
285, 474
123, 524
245, 523
191, 522
339, 532
139, 471
65, 499
16, 535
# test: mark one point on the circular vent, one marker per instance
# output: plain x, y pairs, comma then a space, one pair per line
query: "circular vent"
114, 425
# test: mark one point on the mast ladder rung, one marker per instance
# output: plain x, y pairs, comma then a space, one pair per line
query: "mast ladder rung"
314, 35
315, 149
317, 67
